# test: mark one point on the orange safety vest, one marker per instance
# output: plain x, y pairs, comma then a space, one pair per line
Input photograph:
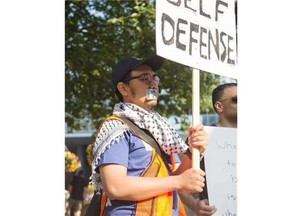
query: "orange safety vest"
160, 205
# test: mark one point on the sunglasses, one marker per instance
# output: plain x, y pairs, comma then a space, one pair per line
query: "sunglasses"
233, 99
145, 77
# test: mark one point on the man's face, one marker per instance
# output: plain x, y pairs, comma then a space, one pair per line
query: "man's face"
144, 78
229, 105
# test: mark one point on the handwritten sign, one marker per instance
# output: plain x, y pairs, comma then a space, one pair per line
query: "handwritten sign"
221, 169
200, 34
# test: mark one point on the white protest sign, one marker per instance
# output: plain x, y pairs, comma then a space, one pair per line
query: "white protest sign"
221, 169
198, 33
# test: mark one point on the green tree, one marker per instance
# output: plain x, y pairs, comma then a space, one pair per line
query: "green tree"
97, 35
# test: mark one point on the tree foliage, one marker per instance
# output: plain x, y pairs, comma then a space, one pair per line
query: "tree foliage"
97, 35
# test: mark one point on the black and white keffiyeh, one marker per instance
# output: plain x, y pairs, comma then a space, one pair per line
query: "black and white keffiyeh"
112, 131
167, 138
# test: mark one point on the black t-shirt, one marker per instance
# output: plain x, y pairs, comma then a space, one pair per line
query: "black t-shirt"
78, 184
204, 193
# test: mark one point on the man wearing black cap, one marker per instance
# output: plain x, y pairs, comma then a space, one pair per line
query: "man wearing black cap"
132, 175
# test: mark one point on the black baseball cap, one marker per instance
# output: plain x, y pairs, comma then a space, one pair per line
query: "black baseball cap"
128, 64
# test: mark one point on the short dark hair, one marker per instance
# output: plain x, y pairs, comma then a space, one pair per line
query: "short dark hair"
218, 92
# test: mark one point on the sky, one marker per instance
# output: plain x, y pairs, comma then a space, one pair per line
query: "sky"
32, 107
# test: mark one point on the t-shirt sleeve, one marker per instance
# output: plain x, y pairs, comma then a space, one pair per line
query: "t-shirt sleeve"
121, 149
